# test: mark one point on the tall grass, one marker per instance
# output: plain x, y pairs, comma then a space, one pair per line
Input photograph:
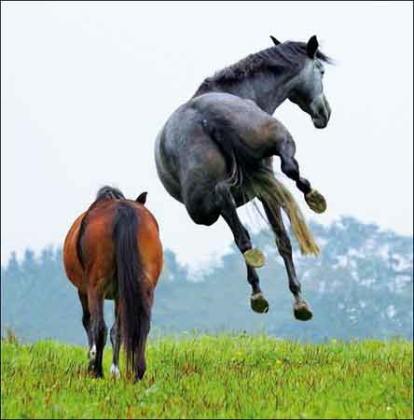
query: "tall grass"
214, 377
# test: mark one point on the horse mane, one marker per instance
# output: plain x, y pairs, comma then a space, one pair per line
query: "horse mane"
289, 54
108, 192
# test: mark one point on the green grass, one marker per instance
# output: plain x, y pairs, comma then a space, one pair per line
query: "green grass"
214, 377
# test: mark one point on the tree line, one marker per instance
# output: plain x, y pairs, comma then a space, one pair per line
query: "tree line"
361, 286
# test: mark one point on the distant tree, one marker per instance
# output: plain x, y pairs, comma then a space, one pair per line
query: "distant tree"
13, 267
360, 286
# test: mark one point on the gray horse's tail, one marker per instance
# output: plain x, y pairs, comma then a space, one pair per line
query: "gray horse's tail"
245, 172
275, 195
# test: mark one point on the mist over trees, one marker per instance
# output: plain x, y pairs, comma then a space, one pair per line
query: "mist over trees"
361, 286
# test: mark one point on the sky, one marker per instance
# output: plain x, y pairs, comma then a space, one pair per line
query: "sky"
86, 87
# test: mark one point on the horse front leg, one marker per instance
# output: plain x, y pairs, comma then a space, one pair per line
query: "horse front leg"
254, 258
301, 309
286, 150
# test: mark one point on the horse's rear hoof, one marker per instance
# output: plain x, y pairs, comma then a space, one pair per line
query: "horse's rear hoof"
302, 311
94, 372
316, 201
114, 372
254, 258
259, 304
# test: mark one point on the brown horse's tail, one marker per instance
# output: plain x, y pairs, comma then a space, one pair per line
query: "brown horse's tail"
276, 195
133, 303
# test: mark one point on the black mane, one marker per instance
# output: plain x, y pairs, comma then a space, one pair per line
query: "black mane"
288, 54
108, 192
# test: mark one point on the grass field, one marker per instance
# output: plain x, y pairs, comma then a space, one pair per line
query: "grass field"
214, 377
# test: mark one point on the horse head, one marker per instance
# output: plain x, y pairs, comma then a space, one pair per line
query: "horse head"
307, 91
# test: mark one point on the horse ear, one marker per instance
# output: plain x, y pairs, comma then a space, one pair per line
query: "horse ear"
142, 198
312, 46
275, 41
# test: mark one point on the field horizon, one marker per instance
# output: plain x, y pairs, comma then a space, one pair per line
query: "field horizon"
221, 376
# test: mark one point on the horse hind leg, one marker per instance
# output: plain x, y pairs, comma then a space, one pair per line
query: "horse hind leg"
254, 258
258, 302
98, 333
86, 318
301, 309
88, 325
115, 335
87, 322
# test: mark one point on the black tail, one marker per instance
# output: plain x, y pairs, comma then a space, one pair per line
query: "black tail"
133, 302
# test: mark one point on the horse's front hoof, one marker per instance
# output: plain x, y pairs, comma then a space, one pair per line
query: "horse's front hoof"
259, 304
316, 201
302, 311
254, 258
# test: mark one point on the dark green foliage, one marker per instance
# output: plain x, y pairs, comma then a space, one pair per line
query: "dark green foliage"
360, 287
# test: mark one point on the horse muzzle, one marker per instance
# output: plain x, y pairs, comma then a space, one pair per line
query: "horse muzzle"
320, 112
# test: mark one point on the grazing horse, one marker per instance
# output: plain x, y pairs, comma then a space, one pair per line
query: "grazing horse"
113, 251
215, 152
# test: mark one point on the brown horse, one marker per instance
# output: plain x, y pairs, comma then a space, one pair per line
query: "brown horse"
113, 251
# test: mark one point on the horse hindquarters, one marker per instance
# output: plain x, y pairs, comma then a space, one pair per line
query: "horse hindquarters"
166, 168
207, 170
190, 164
248, 129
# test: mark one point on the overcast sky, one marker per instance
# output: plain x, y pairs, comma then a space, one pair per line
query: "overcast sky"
85, 88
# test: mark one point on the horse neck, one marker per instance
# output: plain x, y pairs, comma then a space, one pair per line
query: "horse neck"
266, 89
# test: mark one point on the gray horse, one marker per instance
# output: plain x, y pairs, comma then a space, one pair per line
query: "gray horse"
215, 152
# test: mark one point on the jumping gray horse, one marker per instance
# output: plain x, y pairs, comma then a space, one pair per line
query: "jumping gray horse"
215, 152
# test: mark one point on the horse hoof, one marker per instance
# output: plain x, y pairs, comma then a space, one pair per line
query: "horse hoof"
91, 367
254, 258
114, 372
302, 311
94, 372
316, 201
259, 304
